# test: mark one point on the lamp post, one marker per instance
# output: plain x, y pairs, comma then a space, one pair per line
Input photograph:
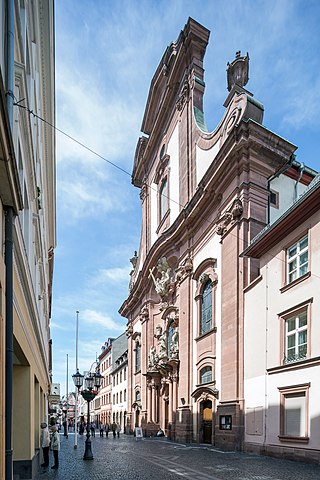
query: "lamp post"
92, 383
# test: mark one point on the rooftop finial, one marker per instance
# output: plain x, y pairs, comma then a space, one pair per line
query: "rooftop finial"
238, 71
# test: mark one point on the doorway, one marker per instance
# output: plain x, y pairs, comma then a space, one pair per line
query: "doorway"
206, 421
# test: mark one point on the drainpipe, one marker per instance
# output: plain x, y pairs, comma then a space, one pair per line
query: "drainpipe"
9, 85
10, 58
9, 340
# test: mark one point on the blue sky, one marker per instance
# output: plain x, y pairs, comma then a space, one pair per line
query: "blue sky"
106, 54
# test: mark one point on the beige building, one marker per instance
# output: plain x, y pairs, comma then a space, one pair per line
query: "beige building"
282, 349
27, 212
205, 196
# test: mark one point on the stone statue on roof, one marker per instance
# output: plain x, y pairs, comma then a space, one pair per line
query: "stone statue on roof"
238, 71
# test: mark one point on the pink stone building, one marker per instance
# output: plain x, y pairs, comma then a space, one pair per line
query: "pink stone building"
205, 196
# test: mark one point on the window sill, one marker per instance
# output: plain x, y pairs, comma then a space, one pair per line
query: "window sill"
288, 438
203, 335
138, 371
308, 362
295, 282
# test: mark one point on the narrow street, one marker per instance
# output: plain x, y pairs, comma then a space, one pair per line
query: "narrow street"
152, 459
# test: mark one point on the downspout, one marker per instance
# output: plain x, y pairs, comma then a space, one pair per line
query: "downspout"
9, 340
9, 218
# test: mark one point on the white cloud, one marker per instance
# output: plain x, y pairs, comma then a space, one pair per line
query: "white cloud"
92, 317
115, 275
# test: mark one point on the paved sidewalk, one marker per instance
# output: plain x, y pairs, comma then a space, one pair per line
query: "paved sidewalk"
126, 458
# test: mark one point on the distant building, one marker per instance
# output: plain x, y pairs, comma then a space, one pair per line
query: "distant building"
282, 331
104, 397
28, 229
119, 380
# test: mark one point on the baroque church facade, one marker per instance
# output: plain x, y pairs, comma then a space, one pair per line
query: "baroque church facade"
205, 196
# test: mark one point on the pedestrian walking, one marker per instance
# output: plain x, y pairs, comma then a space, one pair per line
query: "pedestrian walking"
118, 429
55, 446
114, 429
93, 429
45, 444
106, 429
101, 429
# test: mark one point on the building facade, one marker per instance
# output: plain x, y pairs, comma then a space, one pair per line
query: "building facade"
281, 388
27, 211
104, 396
205, 195
119, 381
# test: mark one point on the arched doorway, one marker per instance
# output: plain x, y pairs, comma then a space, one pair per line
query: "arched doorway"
206, 421
137, 418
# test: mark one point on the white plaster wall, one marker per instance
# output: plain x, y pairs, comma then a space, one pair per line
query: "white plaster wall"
255, 331
173, 151
153, 212
255, 396
204, 158
262, 329
286, 188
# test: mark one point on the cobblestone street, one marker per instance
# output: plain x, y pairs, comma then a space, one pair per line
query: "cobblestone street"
125, 458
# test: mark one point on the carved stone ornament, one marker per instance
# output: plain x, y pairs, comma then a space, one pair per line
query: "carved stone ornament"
129, 330
144, 314
153, 359
238, 71
204, 278
184, 269
163, 283
143, 192
203, 397
183, 95
230, 217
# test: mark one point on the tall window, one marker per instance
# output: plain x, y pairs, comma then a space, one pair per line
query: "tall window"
138, 357
297, 259
296, 337
164, 199
170, 333
206, 375
294, 411
206, 308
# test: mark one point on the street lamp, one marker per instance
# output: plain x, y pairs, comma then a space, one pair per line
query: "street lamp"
92, 383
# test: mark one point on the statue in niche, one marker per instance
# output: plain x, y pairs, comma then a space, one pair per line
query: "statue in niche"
163, 346
162, 284
174, 346
152, 357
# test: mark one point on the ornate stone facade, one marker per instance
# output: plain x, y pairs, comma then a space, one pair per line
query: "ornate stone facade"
191, 277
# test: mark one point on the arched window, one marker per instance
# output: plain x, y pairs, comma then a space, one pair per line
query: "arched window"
164, 199
206, 308
206, 375
138, 357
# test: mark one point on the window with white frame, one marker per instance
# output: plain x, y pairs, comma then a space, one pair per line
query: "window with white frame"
296, 331
294, 412
138, 357
297, 259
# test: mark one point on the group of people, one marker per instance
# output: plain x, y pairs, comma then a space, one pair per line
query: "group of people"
106, 428
50, 441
